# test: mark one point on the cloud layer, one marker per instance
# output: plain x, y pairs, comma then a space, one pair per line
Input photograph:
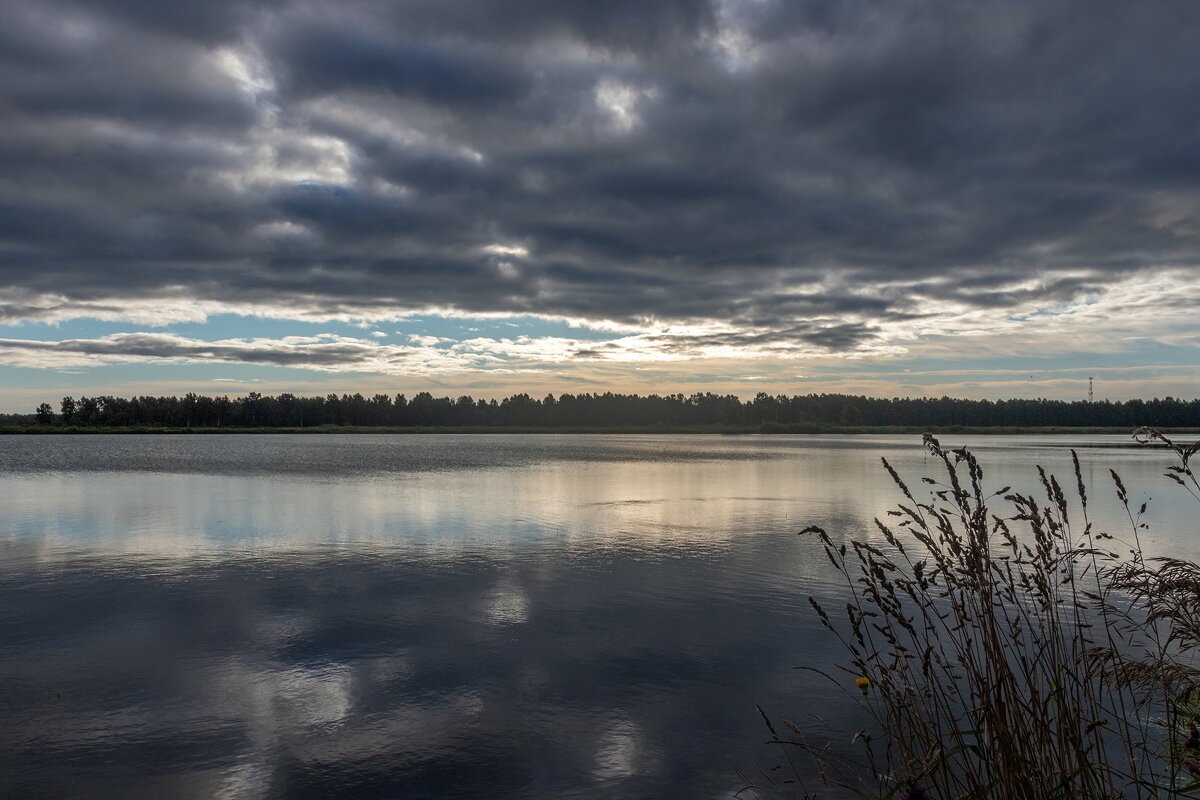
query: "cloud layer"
796, 176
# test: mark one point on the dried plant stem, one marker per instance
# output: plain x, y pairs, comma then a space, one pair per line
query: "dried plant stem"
1015, 655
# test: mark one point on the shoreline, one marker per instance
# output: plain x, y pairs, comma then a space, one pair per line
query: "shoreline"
768, 429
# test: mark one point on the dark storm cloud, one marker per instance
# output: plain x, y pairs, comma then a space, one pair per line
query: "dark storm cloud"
617, 25
311, 353
211, 21
321, 60
61, 65
780, 165
833, 337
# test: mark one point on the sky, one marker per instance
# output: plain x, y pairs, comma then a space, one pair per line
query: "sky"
982, 199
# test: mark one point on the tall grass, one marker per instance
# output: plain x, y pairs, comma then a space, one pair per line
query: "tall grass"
1007, 648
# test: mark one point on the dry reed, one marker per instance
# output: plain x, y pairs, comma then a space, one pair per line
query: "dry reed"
1013, 655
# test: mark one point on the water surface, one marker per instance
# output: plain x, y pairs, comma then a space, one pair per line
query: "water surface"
441, 616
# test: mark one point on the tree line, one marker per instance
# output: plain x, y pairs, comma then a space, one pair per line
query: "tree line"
603, 410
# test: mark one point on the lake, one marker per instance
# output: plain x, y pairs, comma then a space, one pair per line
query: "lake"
455, 616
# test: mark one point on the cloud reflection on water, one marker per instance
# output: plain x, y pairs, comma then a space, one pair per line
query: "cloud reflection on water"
547, 629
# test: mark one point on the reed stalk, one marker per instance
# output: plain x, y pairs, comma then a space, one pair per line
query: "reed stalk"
1005, 648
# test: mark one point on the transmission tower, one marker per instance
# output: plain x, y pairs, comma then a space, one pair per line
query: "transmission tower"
1091, 392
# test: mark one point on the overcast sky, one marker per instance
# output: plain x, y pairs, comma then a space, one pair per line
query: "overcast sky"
984, 199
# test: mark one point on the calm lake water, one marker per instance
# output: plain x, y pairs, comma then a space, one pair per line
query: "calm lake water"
443, 616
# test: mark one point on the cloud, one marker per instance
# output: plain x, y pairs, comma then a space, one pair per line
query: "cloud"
1120, 320
324, 352
804, 177
423, 354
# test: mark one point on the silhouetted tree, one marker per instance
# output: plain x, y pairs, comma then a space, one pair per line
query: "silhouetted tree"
608, 409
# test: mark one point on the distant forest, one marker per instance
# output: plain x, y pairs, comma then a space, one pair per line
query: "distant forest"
765, 412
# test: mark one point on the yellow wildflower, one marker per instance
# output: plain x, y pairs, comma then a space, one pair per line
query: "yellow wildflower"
862, 683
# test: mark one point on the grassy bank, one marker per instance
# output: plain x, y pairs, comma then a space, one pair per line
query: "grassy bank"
769, 428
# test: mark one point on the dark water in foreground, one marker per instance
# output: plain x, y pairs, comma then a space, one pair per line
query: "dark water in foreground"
441, 617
